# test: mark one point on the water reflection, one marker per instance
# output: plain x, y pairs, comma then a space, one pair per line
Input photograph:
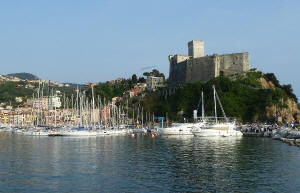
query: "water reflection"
232, 164
143, 164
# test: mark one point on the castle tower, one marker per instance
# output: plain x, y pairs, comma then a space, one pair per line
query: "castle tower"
196, 48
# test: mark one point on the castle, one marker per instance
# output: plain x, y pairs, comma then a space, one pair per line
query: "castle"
197, 67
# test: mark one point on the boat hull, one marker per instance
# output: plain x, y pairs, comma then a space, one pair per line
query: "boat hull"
181, 129
213, 133
224, 130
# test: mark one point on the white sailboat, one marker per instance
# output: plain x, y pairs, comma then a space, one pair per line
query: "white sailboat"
217, 126
180, 129
184, 128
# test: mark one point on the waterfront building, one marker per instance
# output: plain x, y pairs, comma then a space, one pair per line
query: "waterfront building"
55, 102
44, 103
19, 99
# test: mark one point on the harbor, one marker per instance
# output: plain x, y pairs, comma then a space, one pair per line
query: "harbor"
228, 134
108, 119
149, 96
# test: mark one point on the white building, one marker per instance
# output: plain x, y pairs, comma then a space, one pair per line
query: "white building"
55, 102
154, 82
19, 99
45, 102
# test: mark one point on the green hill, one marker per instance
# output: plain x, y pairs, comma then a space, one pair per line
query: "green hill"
10, 90
252, 97
24, 76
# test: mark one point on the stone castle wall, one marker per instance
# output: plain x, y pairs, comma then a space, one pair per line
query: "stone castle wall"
195, 68
200, 69
234, 63
177, 73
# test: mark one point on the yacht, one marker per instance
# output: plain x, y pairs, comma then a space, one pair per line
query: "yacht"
177, 129
217, 126
185, 128
224, 129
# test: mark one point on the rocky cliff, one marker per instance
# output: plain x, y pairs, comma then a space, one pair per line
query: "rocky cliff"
286, 109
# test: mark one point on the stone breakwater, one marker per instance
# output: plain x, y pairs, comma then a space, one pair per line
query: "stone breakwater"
284, 134
287, 135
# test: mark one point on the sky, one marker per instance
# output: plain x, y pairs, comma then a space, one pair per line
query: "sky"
84, 41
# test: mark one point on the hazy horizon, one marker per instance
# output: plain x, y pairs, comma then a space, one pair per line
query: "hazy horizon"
95, 41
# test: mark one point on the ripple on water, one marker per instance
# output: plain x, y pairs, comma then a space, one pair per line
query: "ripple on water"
143, 164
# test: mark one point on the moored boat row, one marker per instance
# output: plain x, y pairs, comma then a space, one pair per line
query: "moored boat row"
203, 126
67, 131
206, 126
203, 129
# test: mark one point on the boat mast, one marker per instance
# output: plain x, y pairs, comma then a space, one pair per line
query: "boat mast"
42, 106
215, 103
221, 107
105, 113
32, 110
127, 122
77, 105
142, 117
64, 110
202, 111
133, 115
72, 112
54, 115
93, 104
99, 111
39, 102
138, 115
54, 104
80, 109
48, 110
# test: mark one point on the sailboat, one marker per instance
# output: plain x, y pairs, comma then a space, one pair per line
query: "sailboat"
178, 129
184, 128
217, 126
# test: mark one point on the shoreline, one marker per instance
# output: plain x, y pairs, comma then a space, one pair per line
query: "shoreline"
285, 134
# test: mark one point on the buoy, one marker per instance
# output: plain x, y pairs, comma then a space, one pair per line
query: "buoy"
152, 136
132, 135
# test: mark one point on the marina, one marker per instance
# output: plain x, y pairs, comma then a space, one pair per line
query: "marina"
149, 96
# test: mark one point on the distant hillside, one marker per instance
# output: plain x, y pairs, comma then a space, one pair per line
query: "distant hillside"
10, 90
74, 85
24, 76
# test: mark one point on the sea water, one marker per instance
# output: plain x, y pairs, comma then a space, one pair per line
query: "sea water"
146, 164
